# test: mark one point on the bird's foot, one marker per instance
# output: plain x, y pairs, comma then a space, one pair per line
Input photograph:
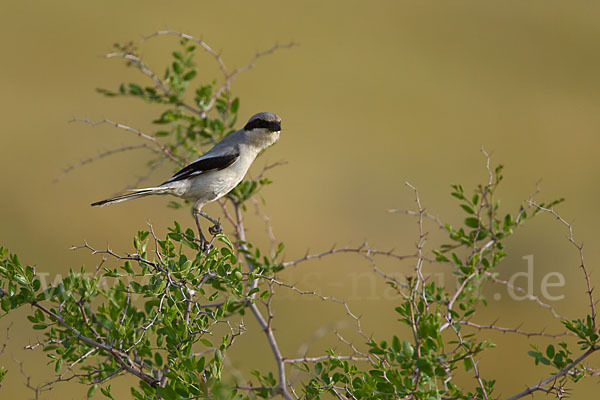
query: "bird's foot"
216, 228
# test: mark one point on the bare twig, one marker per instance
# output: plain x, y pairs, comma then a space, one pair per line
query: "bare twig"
36, 389
517, 331
579, 248
268, 226
101, 156
200, 42
362, 249
526, 295
314, 293
137, 132
327, 357
142, 67
419, 245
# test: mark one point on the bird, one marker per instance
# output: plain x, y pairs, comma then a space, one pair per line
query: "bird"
217, 172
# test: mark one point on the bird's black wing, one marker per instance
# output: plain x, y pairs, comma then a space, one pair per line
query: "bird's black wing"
205, 164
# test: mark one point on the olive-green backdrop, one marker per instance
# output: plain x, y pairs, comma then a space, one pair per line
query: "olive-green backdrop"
377, 93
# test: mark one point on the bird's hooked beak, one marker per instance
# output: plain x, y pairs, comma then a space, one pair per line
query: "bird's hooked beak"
277, 126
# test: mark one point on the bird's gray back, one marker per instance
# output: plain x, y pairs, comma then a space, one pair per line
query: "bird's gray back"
229, 144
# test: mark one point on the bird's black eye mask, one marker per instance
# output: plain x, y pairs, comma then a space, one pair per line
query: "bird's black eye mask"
272, 126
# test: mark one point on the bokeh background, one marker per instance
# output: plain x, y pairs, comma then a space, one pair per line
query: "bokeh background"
377, 93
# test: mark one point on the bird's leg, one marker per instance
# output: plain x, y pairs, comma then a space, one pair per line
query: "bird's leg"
213, 230
216, 228
204, 244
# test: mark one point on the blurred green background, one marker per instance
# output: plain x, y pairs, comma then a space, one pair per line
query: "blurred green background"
377, 93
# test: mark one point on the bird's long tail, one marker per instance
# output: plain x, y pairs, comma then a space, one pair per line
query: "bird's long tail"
136, 193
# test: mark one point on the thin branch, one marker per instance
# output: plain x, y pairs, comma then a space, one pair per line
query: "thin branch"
268, 226
314, 293
322, 358
469, 354
137, 132
149, 171
579, 248
362, 249
266, 327
107, 153
227, 76
201, 42
527, 295
423, 213
35, 389
554, 377
256, 57
137, 61
115, 353
419, 245
517, 331
142, 67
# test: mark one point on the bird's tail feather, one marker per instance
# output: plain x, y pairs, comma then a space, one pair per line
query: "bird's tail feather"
136, 193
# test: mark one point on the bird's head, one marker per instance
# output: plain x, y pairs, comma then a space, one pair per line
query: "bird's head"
264, 122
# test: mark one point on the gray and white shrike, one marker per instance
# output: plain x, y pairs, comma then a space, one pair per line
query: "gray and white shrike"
218, 171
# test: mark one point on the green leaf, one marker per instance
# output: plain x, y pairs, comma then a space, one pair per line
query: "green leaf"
5, 304
456, 259
468, 209
425, 366
135, 90
539, 358
106, 392
177, 67
472, 222
92, 390
189, 75
550, 351
167, 393
318, 368
235, 105
21, 279
468, 364
58, 365
127, 267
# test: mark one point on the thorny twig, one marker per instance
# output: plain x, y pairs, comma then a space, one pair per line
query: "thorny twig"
137, 132
579, 248
525, 294
228, 77
101, 156
516, 330
554, 377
